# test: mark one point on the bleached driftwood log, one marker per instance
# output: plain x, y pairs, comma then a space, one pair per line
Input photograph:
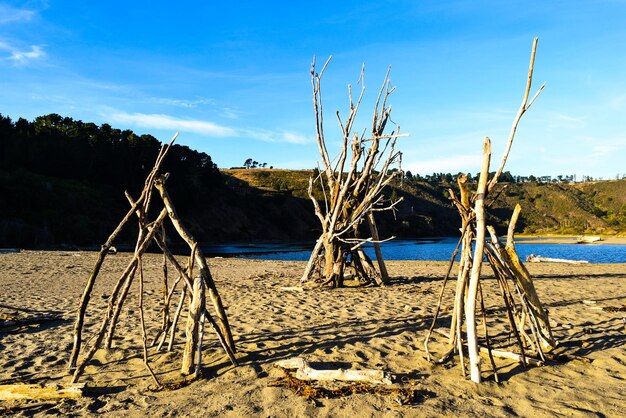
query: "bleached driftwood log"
472, 290
196, 309
21, 392
305, 372
539, 259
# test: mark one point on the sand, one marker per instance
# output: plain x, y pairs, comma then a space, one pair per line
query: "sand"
376, 328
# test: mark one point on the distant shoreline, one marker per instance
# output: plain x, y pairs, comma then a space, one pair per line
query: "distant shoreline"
566, 239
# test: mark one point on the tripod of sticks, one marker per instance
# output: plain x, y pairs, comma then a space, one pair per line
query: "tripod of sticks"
506, 266
194, 289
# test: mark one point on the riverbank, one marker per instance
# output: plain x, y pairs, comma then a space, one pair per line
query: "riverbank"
379, 328
568, 239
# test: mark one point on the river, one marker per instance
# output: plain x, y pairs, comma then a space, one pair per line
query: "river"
438, 249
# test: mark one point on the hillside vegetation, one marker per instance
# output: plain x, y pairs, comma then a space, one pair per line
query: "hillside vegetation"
62, 184
573, 208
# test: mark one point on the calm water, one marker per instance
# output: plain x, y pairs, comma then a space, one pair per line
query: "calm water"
439, 249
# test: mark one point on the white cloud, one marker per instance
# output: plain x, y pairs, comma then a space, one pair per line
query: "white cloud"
10, 14
160, 121
279, 136
168, 122
21, 57
182, 103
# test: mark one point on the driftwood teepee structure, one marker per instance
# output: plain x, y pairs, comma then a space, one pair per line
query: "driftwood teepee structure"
528, 312
194, 289
352, 185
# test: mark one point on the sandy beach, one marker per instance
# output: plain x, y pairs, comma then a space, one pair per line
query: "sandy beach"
373, 328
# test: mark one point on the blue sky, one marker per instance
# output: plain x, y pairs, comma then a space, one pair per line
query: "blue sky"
233, 77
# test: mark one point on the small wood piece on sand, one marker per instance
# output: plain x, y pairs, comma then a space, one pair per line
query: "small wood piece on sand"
305, 372
22, 391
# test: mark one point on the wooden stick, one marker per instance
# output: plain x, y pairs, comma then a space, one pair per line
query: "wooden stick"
199, 349
175, 320
220, 337
470, 304
189, 287
523, 279
144, 338
523, 108
118, 304
166, 294
306, 275
384, 275
487, 342
196, 307
443, 288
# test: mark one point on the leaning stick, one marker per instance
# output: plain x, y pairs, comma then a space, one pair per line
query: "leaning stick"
470, 304
443, 288
144, 338
220, 337
119, 303
487, 342
384, 275
84, 301
199, 349
523, 108
196, 308
166, 294
175, 320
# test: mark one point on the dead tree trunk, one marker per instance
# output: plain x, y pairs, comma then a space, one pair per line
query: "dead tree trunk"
352, 185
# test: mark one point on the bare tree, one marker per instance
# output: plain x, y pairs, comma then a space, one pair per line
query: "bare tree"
352, 186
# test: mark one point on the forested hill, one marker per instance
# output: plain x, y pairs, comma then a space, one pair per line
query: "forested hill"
553, 207
62, 184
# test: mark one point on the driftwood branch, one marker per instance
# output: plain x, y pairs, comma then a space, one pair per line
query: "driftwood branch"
22, 392
523, 108
470, 304
305, 372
